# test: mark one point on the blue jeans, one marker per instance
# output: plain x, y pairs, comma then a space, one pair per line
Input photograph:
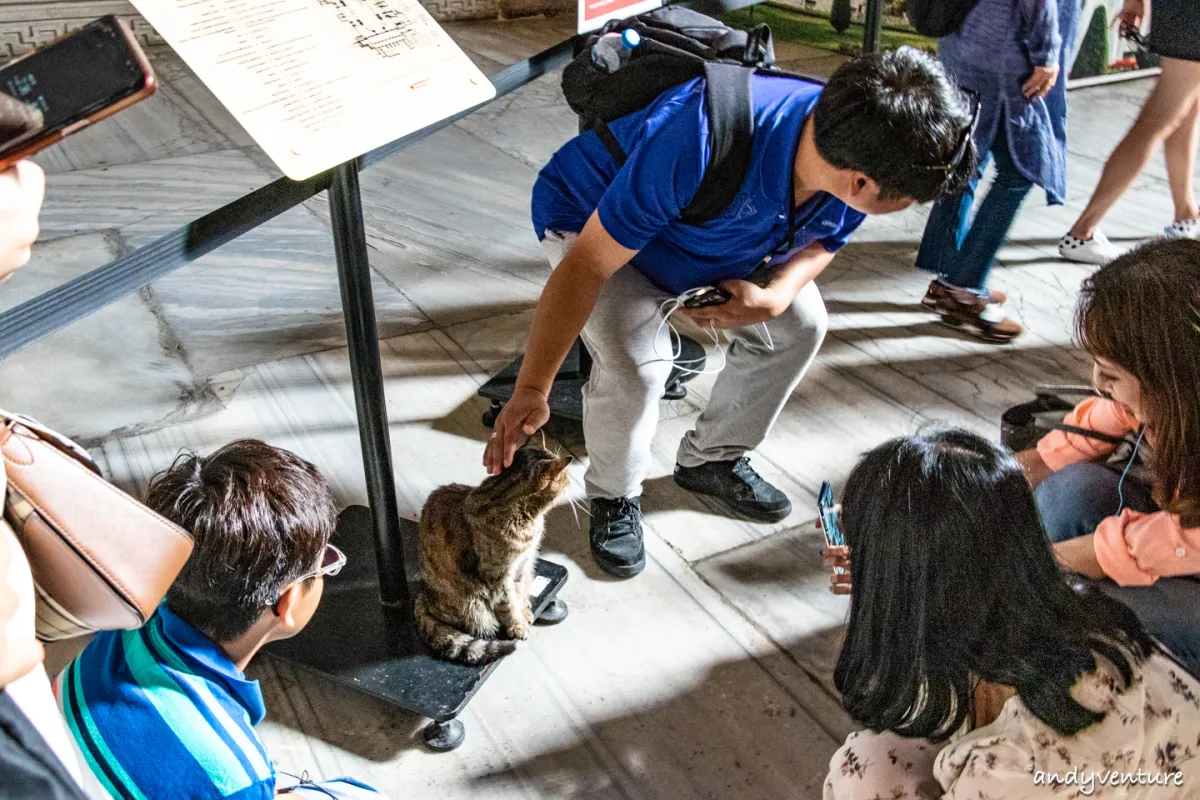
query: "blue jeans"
960, 250
1073, 501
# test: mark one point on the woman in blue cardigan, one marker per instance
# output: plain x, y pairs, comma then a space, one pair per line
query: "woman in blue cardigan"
1011, 54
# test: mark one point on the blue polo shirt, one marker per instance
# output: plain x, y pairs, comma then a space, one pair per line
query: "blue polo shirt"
668, 148
161, 712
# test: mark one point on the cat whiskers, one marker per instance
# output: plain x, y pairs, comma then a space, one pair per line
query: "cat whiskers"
578, 505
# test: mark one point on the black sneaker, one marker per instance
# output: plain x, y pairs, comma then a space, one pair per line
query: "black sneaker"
738, 486
616, 536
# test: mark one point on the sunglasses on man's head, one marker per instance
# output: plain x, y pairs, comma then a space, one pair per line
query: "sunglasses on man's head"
964, 142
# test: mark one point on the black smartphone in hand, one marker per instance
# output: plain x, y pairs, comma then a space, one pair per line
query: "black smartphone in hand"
704, 296
74, 82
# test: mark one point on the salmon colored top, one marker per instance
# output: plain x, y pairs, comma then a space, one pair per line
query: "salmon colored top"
1134, 549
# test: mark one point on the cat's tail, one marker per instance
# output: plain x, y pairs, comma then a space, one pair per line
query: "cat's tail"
452, 644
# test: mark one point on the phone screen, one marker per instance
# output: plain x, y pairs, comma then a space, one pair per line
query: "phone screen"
829, 516
77, 76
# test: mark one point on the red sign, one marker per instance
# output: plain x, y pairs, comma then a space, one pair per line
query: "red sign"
594, 13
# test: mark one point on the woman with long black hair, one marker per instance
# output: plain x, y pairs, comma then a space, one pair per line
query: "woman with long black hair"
980, 669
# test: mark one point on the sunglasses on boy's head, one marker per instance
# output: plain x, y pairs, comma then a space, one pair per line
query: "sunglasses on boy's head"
332, 561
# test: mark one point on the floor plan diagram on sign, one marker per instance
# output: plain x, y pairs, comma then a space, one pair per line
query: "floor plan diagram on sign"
381, 27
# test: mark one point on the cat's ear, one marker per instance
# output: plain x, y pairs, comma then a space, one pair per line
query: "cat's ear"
557, 465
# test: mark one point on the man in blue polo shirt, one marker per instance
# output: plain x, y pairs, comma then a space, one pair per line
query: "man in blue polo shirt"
886, 131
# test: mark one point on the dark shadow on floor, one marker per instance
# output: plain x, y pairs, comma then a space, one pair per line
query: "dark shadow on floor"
338, 715
852, 307
706, 741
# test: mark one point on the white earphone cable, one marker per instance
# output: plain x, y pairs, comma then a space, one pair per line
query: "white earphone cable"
667, 309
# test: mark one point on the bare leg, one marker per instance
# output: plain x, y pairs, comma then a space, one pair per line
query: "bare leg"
1180, 152
1173, 96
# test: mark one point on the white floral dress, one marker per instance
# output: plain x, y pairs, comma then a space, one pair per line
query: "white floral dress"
1147, 747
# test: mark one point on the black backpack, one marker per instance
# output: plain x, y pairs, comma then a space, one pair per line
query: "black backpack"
937, 18
677, 45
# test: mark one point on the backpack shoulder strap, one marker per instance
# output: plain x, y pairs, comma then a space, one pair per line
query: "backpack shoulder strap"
609, 140
731, 141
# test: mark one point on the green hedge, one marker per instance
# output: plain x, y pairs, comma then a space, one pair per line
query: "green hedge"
839, 15
794, 25
1093, 56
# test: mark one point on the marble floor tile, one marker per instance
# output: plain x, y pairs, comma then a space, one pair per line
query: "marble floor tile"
448, 225
456, 193
782, 585
152, 198
270, 294
530, 124
115, 370
1100, 118
804, 59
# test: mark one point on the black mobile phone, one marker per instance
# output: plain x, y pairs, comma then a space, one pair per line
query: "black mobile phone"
705, 296
76, 81
829, 517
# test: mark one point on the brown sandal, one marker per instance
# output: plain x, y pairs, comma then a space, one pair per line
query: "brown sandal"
983, 319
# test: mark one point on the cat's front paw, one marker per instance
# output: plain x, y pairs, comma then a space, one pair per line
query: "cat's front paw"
527, 613
519, 630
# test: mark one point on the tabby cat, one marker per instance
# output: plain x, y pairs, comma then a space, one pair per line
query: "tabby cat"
478, 546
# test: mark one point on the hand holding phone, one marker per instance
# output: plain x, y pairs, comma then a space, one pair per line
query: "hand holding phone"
72, 83
836, 560
704, 296
828, 517
21, 191
827, 520
17, 119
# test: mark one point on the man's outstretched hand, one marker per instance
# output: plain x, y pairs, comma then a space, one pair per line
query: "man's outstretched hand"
521, 417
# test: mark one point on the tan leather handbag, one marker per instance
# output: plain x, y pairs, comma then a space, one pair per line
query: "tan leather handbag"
100, 559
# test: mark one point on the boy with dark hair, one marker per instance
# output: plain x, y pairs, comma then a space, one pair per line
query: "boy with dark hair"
166, 711
886, 131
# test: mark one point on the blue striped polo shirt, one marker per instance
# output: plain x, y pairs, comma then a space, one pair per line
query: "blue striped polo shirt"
161, 712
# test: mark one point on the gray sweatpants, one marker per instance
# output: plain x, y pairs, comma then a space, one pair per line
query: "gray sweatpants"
631, 353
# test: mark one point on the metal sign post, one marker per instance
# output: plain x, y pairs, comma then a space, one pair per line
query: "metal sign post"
873, 26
